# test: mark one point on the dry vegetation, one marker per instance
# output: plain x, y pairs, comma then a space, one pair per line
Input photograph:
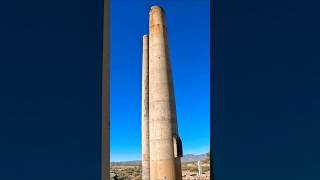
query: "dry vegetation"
189, 171
126, 172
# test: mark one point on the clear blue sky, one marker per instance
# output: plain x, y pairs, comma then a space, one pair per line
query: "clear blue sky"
189, 32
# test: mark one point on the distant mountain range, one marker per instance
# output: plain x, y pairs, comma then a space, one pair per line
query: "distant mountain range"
192, 158
185, 158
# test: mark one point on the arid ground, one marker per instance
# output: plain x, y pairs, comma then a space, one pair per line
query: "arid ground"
189, 171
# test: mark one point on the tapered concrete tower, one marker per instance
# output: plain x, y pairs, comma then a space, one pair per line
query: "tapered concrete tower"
145, 110
165, 144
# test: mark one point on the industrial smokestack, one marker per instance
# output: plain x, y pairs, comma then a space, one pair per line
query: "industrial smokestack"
165, 144
145, 110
